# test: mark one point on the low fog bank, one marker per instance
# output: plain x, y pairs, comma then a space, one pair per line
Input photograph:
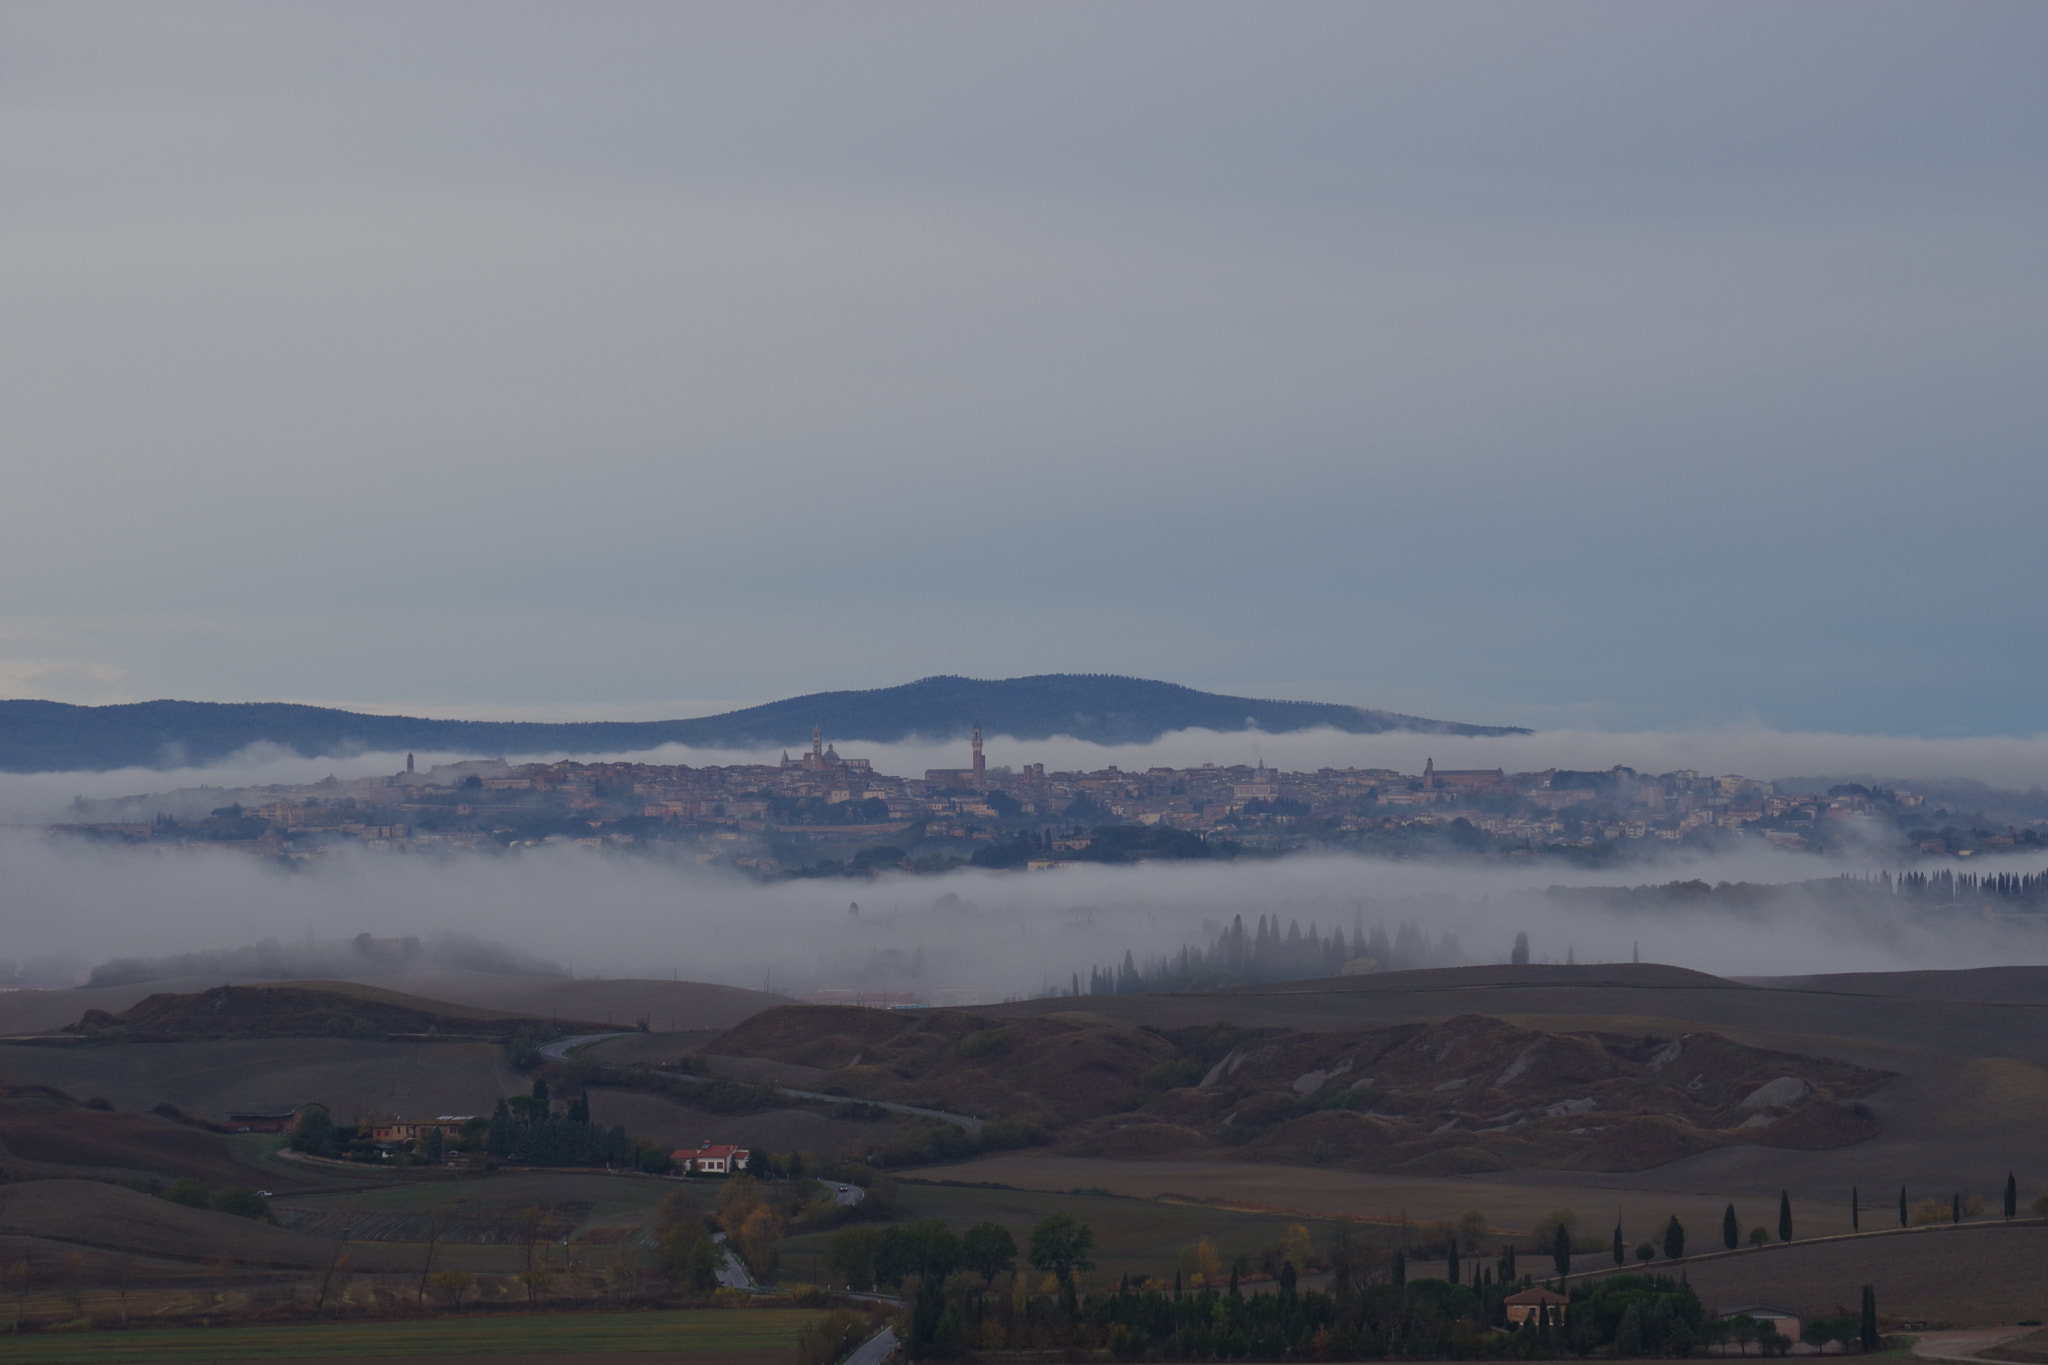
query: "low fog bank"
1945, 768
963, 937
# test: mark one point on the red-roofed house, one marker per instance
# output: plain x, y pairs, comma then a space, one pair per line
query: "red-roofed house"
711, 1159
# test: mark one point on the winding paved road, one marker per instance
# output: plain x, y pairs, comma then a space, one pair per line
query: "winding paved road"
874, 1350
558, 1051
972, 1125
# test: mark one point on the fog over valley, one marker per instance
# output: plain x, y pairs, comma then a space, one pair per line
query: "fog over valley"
965, 936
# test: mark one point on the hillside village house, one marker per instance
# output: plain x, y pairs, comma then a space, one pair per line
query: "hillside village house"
1524, 1307
412, 1130
710, 1159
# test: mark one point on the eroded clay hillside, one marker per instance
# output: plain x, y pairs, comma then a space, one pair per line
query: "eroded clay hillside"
1471, 1093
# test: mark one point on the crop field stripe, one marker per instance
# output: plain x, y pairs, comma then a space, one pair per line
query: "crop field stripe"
698, 1331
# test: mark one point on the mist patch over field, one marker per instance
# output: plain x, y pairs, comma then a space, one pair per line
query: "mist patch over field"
984, 935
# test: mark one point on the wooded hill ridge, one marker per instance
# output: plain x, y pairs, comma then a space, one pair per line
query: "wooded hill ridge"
48, 736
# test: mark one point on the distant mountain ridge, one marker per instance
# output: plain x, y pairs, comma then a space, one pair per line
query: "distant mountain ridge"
48, 736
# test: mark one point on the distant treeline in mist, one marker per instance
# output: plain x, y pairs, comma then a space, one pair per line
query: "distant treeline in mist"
1247, 957
1949, 887
272, 960
2017, 891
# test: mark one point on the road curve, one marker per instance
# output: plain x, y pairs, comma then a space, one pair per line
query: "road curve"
874, 1350
972, 1125
558, 1051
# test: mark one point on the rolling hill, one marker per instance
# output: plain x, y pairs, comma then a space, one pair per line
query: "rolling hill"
48, 736
310, 1008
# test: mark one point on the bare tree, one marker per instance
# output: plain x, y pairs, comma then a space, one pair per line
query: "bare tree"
437, 1224
123, 1276
336, 1276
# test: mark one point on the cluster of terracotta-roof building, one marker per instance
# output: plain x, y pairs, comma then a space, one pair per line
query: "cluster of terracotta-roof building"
821, 797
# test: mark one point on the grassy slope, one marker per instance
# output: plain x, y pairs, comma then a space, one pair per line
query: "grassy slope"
698, 1332
352, 1077
777, 1130
92, 1213
42, 1137
666, 1004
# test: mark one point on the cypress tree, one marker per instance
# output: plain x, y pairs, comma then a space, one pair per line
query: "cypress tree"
1869, 1324
1731, 1230
1955, 1207
1784, 1216
1855, 1211
499, 1141
1902, 1206
1620, 1254
2012, 1195
1451, 1264
1674, 1239
1561, 1250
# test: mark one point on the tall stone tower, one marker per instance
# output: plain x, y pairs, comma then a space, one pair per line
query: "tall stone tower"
980, 763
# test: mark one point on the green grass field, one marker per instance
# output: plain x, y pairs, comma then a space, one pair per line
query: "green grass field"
696, 1331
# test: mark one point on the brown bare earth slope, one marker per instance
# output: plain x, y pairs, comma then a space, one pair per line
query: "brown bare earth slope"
1476, 1094
1464, 1095
1069, 1064
292, 1008
1967, 1104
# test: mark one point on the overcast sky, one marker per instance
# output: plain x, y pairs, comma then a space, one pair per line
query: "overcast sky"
1563, 364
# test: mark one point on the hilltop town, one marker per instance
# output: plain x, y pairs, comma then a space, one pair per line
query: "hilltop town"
820, 813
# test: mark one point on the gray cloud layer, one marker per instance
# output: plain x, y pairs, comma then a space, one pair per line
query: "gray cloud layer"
1576, 364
